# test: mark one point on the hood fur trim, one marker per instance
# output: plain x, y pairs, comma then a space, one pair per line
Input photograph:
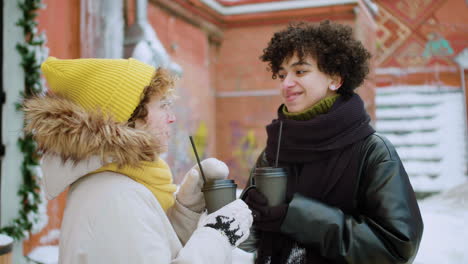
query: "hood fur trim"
64, 128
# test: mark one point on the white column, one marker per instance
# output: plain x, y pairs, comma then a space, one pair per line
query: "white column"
12, 121
101, 28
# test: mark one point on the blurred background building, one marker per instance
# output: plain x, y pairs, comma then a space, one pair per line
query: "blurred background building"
415, 93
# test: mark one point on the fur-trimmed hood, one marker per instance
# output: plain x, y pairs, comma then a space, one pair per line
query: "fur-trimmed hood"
76, 142
64, 128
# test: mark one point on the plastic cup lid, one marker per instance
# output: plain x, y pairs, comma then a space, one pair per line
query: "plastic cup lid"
270, 170
219, 184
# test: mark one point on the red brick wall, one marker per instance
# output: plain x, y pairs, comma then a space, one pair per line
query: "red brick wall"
60, 20
241, 120
189, 47
365, 32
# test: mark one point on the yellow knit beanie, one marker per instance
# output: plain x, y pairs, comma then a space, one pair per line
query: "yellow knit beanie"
111, 85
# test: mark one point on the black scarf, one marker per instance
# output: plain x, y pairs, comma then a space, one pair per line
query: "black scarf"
322, 157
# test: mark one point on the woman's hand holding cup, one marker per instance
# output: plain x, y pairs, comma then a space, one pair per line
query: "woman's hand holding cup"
190, 194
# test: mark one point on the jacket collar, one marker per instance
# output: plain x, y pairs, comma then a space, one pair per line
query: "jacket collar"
59, 174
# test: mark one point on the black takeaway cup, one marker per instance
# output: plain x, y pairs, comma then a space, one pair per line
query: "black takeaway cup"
218, 193
271, 182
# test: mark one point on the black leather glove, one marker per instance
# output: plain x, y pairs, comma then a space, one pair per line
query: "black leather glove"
266, 218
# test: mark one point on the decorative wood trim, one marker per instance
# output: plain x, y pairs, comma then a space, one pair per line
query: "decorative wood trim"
344, 12
201, 15
245, 2
260, 7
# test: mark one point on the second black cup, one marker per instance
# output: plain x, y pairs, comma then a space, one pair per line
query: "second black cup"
272, 182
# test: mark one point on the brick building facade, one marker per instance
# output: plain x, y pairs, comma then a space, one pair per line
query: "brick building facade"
227, 96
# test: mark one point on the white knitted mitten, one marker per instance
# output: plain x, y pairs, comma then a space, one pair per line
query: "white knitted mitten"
233, 221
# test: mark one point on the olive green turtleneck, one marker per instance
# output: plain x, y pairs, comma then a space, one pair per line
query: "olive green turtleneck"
321, 107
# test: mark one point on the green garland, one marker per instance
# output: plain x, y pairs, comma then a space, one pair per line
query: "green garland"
30, 51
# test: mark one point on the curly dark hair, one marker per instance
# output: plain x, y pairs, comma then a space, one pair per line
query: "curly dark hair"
332, 45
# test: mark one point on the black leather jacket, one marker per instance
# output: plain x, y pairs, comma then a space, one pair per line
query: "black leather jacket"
388, 227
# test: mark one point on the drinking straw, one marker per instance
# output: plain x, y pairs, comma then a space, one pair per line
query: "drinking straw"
198, 159
279, 143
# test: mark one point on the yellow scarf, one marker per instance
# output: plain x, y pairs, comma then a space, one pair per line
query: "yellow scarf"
156, 176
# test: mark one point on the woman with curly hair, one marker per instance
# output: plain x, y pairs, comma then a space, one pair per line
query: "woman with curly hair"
348, 197
102, 127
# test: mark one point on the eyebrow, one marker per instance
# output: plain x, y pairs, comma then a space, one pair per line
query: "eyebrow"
297, 64
300, 63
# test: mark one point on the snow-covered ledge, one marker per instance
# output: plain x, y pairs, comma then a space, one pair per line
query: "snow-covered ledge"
44, 255
6, 243
462, 58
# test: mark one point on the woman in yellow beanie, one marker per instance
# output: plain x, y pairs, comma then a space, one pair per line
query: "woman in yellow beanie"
101, 128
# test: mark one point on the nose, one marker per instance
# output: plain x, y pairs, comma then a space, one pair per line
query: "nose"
171, 118
288, 82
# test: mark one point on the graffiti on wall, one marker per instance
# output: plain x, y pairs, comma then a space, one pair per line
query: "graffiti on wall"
200, 138
180, 156
245, 148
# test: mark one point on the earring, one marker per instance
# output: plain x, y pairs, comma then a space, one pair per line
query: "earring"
333, 87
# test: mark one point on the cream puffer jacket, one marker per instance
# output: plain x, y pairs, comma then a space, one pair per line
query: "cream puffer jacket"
109, 218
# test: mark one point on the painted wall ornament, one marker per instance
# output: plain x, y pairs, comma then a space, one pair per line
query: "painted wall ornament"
437, 46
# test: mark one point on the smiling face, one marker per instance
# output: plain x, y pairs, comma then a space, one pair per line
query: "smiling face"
302, 84
160, 116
